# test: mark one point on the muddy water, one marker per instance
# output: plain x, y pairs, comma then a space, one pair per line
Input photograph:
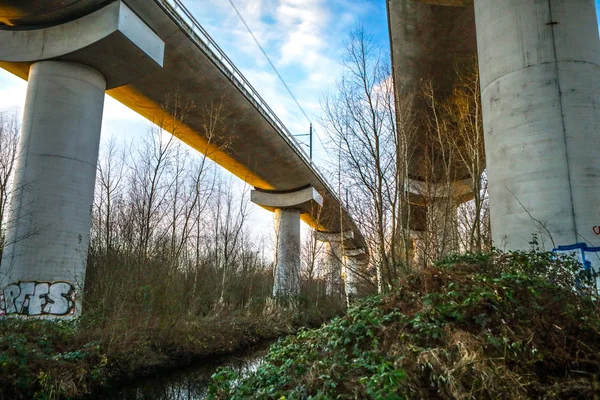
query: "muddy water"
189, 383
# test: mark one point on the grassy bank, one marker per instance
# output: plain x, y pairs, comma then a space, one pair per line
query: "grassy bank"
499, 326
52, 360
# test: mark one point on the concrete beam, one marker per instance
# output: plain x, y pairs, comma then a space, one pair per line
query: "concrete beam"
245, 126
112, 40
422, 193
335, 237
36, 13
307, 200
431, 41
354, 252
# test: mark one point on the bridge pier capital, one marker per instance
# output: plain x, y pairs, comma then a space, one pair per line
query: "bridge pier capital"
113, 40
287, 207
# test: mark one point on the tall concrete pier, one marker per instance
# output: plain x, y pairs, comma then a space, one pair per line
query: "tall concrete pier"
49, 227
69, 68
287, 207
540, 79
335, 260
539, 64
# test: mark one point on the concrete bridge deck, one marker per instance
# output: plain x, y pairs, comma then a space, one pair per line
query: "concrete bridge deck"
261, 150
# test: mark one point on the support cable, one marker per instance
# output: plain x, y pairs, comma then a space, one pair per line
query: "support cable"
239, 14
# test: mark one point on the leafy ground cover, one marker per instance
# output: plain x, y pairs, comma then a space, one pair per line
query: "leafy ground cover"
519, 325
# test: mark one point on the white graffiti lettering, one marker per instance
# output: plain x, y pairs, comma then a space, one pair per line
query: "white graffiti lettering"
37, 298
36, 302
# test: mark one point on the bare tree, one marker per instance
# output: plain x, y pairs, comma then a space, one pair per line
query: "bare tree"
9, 133
360, 118
108, 195
455, 152
176, 229
230, 215
463, 110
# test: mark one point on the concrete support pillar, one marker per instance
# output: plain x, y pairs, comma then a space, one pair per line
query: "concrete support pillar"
69, 68
335, 261
334, 267
434, 220
444, 226
287, 252
539, 64
287, 207
350, 274
49, 219
440, 236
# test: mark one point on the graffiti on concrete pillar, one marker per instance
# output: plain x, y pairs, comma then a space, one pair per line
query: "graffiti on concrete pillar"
38, 298
596, 229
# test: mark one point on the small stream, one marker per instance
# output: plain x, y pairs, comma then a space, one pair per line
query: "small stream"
190, 383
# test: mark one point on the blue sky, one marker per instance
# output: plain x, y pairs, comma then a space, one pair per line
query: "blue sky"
304, 39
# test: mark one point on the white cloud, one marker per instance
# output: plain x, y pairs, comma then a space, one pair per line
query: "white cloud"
12, 91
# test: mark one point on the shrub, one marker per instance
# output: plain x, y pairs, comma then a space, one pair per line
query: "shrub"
480, 326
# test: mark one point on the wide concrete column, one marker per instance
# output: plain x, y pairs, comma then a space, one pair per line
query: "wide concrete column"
287, 207
540, 84
335, 267
49, 226
354, 263
69, 67
434, 218
433, 231
287, 252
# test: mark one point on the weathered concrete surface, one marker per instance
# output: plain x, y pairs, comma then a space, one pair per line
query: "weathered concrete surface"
307, 200
432, 42
351, 272
112, 40
334, 266
36, 13
48, 233
339, 278
539, 71
540, 79
254, 146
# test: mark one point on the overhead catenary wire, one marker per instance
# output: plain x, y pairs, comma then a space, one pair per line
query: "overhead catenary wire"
319, 138
239, 14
